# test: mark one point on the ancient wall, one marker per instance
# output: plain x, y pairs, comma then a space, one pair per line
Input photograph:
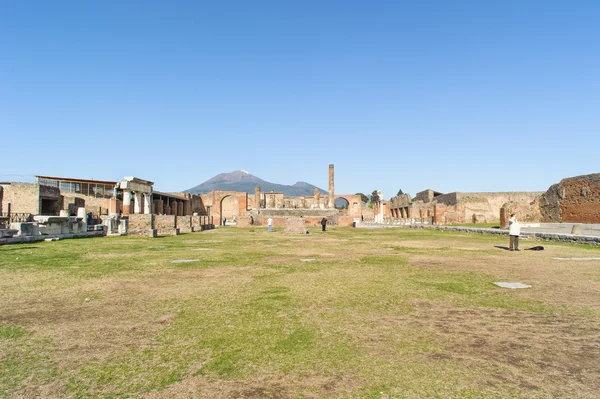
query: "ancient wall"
574, 199
165, 224
97, 206
197, 205
425, 196
484, 207
140, 225
474, 207
525, 212
400, 201
280, 221
23, 197
447, 199
184, 224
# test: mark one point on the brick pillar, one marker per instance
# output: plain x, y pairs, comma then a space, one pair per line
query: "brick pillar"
331, 189
256, 198
127, 202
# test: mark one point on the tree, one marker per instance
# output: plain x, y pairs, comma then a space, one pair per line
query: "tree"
374, 196
400, 192
363, 197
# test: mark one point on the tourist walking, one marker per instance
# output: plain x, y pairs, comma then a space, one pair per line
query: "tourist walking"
251, 221
324, 223
270, 224
514, 231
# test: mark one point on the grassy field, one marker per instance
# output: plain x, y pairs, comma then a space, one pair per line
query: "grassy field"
380, 314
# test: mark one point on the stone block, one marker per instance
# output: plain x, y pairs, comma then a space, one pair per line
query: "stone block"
295, 226
184, 224
165, 224
140, 225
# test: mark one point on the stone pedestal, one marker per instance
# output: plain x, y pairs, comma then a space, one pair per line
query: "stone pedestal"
295, 226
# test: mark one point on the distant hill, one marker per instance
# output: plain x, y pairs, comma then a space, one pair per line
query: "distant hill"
240, 180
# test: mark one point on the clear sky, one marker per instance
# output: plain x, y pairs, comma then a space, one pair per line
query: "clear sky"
494, 95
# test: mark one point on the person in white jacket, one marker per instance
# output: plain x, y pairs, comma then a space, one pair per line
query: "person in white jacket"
514, 231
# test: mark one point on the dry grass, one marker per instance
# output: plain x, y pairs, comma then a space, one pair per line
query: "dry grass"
378, 314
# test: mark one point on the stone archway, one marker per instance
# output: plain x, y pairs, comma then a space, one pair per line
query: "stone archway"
342, 205
228, 208
354, 204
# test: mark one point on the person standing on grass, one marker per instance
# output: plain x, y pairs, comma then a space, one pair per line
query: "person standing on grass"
270, 224
324, 223
514, 231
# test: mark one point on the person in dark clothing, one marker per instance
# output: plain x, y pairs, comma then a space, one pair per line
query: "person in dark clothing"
324, 223
251, 221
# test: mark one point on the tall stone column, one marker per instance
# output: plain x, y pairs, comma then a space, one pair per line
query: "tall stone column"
137, 206
147, 203
331, 188
256, 198
127, 202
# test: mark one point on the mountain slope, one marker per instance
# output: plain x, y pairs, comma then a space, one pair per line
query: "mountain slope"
240, 180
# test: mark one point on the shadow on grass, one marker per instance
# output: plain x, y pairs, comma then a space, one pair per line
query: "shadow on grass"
19, 249
501, 247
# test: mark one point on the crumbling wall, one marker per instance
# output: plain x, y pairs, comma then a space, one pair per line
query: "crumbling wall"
23, 197
92, 204
140, 225
525, 212
165, 224
184, 224
574, 199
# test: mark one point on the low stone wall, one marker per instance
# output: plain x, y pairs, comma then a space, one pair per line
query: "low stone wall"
141, 225
309, 221
567, 238
165, 224
184, 224
345, 221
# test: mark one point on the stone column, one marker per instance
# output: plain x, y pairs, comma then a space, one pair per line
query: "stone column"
126, 202
174, 208
137, 206
256, 198
316, 198
331, 193
147, 202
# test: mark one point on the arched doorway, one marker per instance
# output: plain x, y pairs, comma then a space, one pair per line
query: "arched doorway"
342, 205
229, 209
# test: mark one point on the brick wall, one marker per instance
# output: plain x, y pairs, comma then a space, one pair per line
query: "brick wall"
23, 197
575, 199
97, 206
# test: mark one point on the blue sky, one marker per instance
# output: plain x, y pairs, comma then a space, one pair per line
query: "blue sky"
450, 95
